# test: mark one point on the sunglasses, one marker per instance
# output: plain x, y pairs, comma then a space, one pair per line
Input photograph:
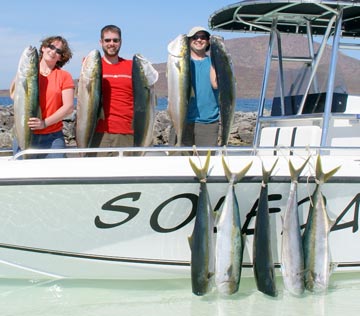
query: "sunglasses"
108, 40
202, 37
57, 50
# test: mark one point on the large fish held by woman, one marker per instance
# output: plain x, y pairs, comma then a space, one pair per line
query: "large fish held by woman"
226, 81
229, 246
179, 85
264, 269
88, 98
26, 95
316, 236
144, 77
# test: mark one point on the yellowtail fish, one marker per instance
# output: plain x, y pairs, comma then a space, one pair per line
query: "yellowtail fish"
229, 245
316, 236
292, 253
264, 268
26, 95
202, 239
88, 98
144, 76
223, 65
178, 76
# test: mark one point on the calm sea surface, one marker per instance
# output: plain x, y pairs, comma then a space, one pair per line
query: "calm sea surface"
171, 297
245, 105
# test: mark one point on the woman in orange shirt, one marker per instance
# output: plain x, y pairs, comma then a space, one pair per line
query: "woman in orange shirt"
56, 96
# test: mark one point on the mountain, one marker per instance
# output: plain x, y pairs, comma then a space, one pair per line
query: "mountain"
249, 55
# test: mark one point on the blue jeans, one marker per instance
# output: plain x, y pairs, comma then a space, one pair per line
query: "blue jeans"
44, 141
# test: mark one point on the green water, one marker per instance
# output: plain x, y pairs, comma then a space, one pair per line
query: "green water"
170, 297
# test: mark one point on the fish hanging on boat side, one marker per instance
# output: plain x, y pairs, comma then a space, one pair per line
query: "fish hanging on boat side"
225, 77
26, 95
264, 269
144, 77
229, 245
292, 253
316, 236
88, 106
202, 241
179, 85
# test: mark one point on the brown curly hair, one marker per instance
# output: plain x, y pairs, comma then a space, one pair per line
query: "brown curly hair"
65, 56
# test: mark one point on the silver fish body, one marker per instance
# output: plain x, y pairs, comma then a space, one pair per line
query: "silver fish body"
264, 269
223, 65
316, 237
202, 242
26, 95
144, 77
88, 98
179, 85
292, 262
229, 246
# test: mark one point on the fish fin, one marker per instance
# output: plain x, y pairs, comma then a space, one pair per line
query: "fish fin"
235, 177
201, 173
282, 222
267, 173
227, 171
320, 175
12, 90
243, 239
333, 266
295, 173
101, 115
190, 241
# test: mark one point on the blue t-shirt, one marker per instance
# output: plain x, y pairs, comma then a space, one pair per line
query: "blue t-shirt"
203, 105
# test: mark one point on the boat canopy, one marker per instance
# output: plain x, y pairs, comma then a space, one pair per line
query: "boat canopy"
292, 16
312, 94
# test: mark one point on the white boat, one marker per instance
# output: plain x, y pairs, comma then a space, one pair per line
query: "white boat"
129, 217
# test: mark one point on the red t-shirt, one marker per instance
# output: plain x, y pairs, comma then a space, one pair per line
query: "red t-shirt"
50, 96
117, 98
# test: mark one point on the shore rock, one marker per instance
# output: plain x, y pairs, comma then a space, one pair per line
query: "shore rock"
241, 134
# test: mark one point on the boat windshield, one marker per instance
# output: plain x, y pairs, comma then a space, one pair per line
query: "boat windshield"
296, 80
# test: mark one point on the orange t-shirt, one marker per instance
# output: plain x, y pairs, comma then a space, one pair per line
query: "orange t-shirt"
50, 96
117, 98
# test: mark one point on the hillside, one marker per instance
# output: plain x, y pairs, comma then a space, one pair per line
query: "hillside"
249, 55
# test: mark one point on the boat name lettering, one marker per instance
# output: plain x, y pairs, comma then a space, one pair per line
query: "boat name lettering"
132, 212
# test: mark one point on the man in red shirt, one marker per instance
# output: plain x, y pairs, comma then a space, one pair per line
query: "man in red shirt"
115, 128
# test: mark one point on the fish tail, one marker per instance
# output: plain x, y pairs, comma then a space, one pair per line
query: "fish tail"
295, 173
267, 173
235, 177
201, 173
320, 175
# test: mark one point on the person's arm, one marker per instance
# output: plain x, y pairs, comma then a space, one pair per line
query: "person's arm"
213, 78
66, 109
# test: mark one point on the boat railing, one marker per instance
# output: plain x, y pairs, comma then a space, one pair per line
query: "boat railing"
164, 151
75, 152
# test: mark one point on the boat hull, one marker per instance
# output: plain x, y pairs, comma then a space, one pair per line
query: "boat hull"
60, 218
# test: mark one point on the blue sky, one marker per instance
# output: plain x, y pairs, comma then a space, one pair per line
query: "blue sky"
147, 27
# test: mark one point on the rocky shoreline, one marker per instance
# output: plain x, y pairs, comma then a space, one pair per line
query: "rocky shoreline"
241, 134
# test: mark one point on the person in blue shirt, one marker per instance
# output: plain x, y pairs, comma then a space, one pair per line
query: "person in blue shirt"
202, 120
